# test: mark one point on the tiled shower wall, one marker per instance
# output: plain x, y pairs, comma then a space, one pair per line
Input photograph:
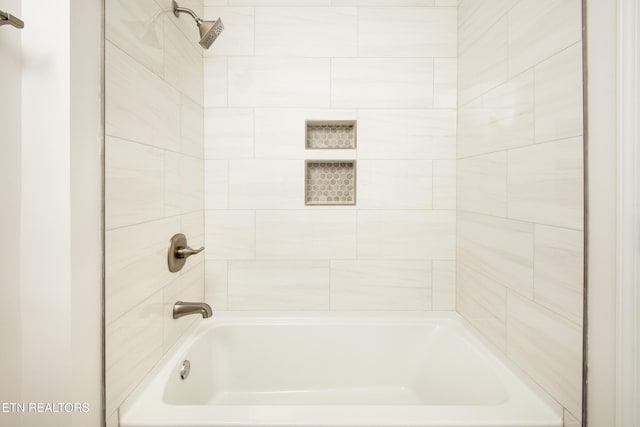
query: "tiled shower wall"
520, 185
390, 65
154, 183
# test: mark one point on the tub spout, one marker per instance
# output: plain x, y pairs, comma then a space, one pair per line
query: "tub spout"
181, 308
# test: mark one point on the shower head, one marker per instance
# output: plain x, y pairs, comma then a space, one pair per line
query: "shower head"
209, 30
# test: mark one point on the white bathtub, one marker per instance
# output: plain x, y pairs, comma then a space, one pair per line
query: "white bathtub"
336, 369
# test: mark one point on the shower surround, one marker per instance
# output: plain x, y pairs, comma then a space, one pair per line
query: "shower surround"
491, 88
154, 183
520, 186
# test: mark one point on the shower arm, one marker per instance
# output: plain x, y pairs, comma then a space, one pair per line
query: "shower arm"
177, 10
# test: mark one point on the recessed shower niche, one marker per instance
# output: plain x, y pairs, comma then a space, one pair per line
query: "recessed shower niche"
330, 182
337, 134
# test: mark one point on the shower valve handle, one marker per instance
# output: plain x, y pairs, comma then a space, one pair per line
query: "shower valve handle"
188, 251
179, 251
9, 19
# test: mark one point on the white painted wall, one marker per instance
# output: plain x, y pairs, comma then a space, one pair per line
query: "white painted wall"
10, 194
628, 254
602, 86
56, 318
46, 209
389, 65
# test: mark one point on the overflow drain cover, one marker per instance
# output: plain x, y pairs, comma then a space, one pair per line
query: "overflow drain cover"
185, 369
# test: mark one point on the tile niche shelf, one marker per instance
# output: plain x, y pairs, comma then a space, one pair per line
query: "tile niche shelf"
330, 182
330, 134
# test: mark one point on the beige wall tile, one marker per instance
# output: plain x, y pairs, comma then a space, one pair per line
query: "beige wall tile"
183, 61
444, 184
141, 34
395, 184
192, 128
134, 183
409, 32
482, 184
445, 82
482, 305
558, 272
112, 420
407, 134
397, 234
229, 234
380, 285
266, 184
215, 292
498, 248
279, 285
483, 291
306, 31
228, 133
279, 2
475, 17
443, 289
136, 264
184, 184
215, 82
558, 95
546, 183
502, 118
520, 87
139, 106
216, 184
396, 3
134, 345
382, 83
279, 82
538, 29
298, 234
238, 36
570, 420
483, 64
548, 348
